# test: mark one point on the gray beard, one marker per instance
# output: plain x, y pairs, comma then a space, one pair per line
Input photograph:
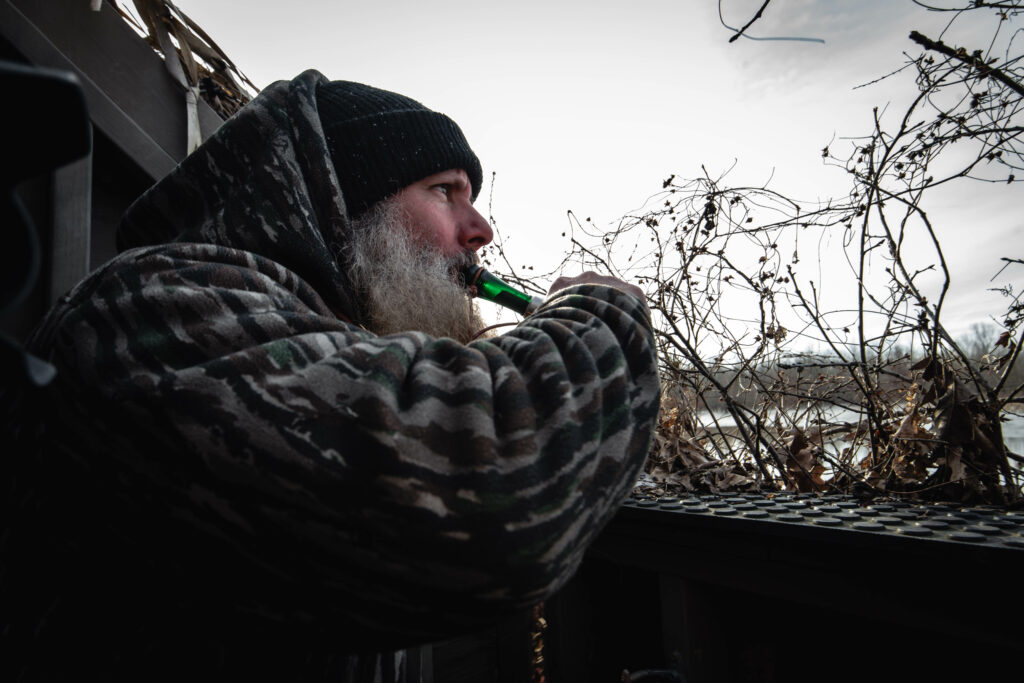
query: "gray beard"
405, 284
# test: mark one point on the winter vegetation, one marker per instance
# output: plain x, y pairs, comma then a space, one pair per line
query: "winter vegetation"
806, 347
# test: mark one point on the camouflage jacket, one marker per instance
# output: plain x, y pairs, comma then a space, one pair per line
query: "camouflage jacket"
229, 467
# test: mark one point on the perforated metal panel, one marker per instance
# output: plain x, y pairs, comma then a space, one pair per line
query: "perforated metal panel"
808, 513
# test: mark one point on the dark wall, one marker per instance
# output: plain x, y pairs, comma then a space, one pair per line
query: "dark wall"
116, 182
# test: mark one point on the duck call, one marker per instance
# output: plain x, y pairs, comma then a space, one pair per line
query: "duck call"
489, 287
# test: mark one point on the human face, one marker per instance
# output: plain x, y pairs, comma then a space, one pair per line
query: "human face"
440, 212
403, 285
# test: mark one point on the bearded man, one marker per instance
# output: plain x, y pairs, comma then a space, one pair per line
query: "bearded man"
405, 281
271, 446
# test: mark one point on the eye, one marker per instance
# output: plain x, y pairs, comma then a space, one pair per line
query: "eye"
444, 188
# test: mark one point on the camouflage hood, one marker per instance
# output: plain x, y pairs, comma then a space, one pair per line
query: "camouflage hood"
263, 183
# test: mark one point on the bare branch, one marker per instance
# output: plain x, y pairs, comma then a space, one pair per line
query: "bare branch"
747, 25
973, 60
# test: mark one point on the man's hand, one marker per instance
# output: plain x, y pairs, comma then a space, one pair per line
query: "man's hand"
591, 278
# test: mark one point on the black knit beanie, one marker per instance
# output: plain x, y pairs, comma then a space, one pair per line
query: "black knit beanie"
381, 141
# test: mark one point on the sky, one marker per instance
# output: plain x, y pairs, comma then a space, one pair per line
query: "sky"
588, 105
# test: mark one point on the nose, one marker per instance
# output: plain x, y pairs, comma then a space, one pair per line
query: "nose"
475, 231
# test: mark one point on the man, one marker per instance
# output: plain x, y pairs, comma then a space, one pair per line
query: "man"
269, 445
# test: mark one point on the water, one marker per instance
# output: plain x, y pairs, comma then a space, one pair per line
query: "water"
1013, 425
1013, 433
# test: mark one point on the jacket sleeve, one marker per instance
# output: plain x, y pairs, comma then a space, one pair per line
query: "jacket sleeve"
402, 487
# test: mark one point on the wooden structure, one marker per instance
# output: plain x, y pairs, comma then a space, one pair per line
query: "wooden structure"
139, 134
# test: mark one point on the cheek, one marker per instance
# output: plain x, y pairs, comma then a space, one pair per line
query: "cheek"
438, 231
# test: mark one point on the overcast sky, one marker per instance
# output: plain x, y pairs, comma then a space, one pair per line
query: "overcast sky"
587, 105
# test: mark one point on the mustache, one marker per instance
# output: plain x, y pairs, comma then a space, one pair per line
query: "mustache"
464, 259
458, 263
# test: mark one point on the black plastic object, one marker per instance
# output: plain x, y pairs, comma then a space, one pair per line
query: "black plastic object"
47, 126
809, 516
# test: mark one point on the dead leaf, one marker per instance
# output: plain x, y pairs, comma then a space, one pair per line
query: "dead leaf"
955, 463
802, 465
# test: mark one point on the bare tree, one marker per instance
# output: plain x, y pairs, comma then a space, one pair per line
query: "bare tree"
772, 384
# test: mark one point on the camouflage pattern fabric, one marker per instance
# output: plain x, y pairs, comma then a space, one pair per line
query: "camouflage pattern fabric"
229, 479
